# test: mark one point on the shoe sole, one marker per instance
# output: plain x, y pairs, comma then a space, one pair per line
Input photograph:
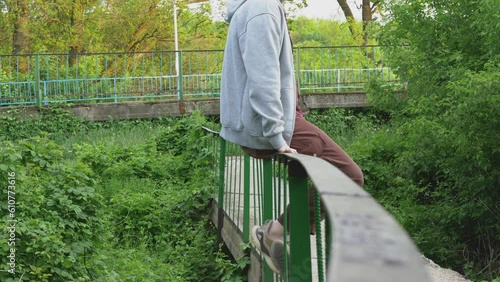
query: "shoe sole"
277, 253
256, 243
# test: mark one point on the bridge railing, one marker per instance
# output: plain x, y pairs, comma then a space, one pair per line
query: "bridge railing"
40, 79
358, 241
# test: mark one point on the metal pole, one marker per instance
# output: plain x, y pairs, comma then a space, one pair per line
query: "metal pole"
176, 48
37, 85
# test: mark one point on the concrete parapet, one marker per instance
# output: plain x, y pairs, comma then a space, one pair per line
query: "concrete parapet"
154, 109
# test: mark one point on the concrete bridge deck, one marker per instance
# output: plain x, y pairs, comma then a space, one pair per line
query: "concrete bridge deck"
154, 109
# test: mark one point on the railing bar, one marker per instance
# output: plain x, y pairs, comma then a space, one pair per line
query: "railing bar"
230, 181
151, 81
236, 183
284, 168
319, 238
267, 204
228, 168
241, 191
246, 200
234, 169
261, 192
257, 191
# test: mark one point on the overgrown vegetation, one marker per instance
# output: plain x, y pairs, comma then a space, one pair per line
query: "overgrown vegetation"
93, 207
435, 165
429, 152
128, 200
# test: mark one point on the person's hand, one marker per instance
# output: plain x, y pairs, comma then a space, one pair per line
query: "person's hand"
287, 149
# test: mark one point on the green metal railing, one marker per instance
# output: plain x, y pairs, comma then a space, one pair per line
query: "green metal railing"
358, 241
40, 79
253, 191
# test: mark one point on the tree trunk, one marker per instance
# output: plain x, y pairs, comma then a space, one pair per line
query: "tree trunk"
346, 9
20, 35
21, 31
76, 22
347, 13
367, 19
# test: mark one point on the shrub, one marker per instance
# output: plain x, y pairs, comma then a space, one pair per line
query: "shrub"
446, 129
56, 212
58, 122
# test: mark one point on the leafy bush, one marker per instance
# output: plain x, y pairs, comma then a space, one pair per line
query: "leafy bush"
56, 212
344, 125
57, 121
154, 205
187, 138
443, 136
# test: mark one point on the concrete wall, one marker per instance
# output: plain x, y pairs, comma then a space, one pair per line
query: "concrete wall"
153, 109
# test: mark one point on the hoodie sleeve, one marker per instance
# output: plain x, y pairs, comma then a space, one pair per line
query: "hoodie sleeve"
261, 46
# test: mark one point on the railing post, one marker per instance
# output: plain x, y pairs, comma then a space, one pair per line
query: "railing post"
45, 88
267, 205
338, 80
125, 72
319, 243
220, 200
267, 194
37, 85
297, 71
300, 246
246, 198
179, 76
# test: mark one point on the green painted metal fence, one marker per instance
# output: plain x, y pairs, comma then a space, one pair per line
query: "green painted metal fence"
358, 241
41, 79
253, 191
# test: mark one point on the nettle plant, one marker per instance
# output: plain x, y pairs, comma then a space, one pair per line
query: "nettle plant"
56, 212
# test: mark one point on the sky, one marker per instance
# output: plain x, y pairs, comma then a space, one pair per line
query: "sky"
327, 9
323, 9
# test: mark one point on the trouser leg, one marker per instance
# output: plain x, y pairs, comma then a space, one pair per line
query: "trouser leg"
310, 140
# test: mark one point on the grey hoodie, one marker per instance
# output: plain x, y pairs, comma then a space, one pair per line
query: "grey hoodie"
257, 103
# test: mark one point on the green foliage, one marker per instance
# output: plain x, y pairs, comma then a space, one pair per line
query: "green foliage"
435, 165
431, 43
187, 139
99, 208
308, 32
97, 26
55, 121
56, 212
158, 203
232, 271
386, 98
344, 125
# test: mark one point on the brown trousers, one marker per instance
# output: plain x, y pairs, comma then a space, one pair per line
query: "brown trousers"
308, 139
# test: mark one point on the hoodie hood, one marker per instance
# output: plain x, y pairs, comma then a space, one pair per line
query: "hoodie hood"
232, 6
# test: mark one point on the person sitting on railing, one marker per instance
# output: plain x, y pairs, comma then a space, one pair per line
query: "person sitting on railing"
259, 108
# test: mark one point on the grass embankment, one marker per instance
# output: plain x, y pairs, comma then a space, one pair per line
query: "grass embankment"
110, 201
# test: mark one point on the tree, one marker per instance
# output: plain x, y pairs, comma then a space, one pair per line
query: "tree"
77, 23
346, 9
368, 9
321, 32
20, 35
441, 151
367, 17
76, 26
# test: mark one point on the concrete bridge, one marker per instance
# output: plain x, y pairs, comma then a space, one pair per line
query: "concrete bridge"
210, 106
